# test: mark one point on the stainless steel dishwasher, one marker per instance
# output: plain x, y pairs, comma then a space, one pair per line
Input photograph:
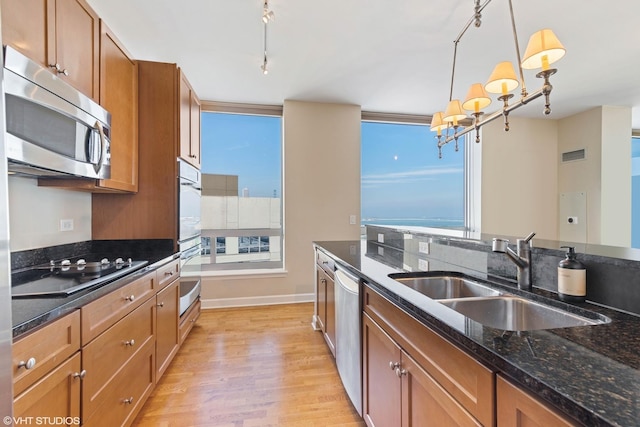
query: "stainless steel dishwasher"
348, 343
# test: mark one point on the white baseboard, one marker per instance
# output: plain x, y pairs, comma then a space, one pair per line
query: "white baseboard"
255, 301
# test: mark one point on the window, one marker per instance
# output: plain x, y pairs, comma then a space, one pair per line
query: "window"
241, 191
405, 183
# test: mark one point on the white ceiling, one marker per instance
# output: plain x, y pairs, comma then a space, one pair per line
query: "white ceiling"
386, 55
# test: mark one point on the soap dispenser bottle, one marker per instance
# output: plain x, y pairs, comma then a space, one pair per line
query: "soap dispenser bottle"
572, 278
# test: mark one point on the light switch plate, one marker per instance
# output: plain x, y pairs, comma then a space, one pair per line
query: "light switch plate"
423, 265
423, 247
66, 225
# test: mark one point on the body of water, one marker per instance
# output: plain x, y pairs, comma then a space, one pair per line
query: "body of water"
416, 222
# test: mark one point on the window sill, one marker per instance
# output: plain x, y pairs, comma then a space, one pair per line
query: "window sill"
239, 274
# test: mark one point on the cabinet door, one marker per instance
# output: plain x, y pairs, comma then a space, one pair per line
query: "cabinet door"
426, 403
24, 27
194, 140
119, 95
167, 335
381, 386
517, 408
56, 395
330, 320
76, 45
321, 298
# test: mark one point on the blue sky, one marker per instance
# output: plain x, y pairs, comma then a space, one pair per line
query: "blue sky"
402, 176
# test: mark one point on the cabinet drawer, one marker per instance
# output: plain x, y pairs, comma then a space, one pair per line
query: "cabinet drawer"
467, 380
99, 315
55, 395
103, 357
325, 262
121, 399
47, 347
188, 319
167, 274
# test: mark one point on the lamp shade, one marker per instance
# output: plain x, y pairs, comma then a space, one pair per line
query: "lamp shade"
454, 112
477, 98
503, 79
543, 49
437, 123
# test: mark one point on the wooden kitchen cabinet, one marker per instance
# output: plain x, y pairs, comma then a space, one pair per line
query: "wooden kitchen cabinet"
167, 333
189, 119
61, 35
119, 96
152, 213
441, 384
398, 391
517, 408
57, 394
325, 299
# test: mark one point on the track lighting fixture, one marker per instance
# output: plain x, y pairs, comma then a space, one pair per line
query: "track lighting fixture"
543, 49
267, 16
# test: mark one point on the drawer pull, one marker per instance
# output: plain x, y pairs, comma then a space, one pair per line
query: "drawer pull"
160, 304
130, 298
128, 401
80, 374
29, 364
130, 343
168, 273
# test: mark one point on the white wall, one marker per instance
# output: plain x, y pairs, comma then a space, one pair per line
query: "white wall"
35, 214
604, 175
321, 189
520, 178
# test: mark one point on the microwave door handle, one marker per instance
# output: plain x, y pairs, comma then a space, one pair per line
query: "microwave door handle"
100, 129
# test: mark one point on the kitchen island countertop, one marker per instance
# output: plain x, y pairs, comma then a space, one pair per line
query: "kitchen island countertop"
591, 373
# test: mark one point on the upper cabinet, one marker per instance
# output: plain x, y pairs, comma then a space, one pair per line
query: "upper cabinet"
62, 35
189, 123
119, 95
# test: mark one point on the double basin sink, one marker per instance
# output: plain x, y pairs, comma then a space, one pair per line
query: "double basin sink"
492, 307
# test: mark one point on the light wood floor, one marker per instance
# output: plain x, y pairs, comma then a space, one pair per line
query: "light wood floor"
247, 367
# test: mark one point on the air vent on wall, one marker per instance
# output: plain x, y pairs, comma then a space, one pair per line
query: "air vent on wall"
570, 156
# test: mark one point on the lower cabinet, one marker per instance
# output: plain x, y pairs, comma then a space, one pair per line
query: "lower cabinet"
325, 300
399, 392
413, 376
517, 408
167, 334
55, 396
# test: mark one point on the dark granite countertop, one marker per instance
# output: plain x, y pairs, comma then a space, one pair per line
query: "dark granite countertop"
591, 373
30, 313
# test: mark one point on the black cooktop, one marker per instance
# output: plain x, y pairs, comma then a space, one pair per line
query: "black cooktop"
61, 278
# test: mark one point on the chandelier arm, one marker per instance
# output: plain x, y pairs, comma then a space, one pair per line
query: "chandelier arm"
496, 114
453, 68
515, 40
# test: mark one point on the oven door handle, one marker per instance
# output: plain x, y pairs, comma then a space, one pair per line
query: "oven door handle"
190, 253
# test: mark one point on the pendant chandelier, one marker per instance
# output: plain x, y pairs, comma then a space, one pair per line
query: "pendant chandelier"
543, 49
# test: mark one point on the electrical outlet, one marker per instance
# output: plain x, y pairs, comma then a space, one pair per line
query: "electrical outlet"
423, 265
423, 247
380, 238
66, 225
380, 251
352, 219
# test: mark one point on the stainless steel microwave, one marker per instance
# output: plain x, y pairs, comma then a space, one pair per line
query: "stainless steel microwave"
52, 129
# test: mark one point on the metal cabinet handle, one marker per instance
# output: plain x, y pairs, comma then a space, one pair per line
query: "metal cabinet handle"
80, 374
400, 372
160, 305
130, 343
394, 365
128, 401
323, 281
193, 156
168, 273
29, 364
130, 298
59, 69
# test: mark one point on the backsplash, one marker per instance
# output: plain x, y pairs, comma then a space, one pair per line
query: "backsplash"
613, 282
35, 214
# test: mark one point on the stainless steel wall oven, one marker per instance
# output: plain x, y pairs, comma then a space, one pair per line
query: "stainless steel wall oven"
189, 241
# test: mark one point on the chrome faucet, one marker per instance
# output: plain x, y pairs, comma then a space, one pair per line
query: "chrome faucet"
522, 258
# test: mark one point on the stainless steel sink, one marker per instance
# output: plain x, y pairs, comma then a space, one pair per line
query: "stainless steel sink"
513, 313
445, 286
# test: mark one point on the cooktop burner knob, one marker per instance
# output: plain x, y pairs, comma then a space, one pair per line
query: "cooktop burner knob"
104, 261
65, 262
81, 261
119, 261
129, 261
